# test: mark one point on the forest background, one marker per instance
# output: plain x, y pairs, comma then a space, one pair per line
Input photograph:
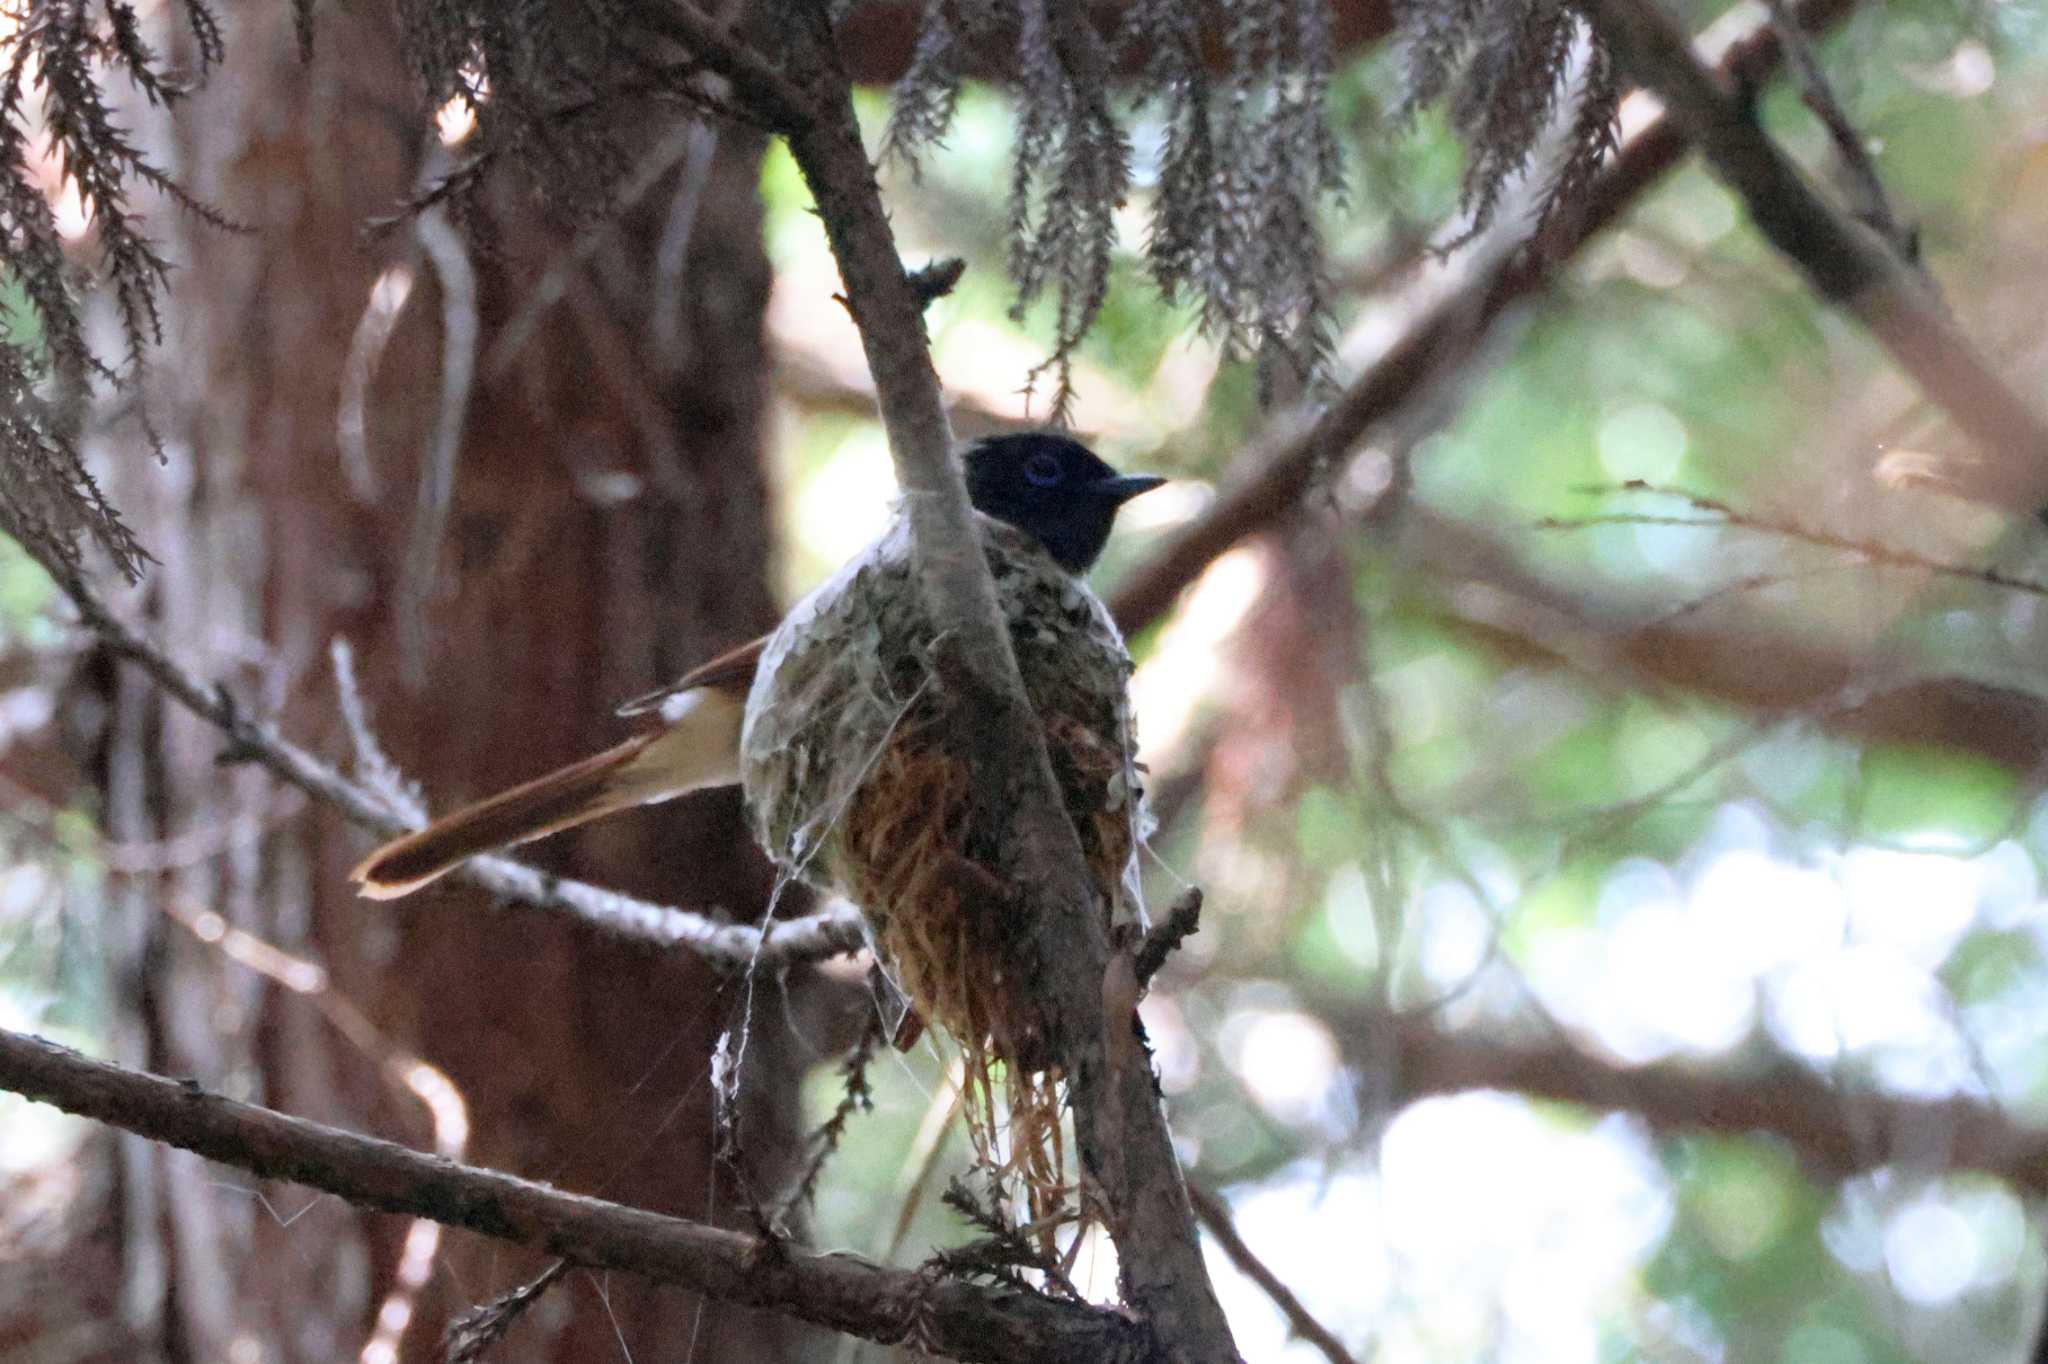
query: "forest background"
1611, 757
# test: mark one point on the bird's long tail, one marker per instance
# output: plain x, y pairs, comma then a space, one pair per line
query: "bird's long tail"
697, 748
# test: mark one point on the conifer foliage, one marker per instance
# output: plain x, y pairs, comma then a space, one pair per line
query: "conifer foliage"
1229, 95
1244, 156
1505, 69
56, 74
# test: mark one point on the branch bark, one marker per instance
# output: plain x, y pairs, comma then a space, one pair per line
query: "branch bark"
1125, 1146
843, 1292
1770, 669
1847, 263
1215, 1216
1836, 1133
728, 946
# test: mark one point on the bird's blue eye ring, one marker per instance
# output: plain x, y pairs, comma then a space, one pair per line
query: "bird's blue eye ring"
1042, 470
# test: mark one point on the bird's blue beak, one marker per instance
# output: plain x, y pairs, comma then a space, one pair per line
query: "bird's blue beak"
1124, 487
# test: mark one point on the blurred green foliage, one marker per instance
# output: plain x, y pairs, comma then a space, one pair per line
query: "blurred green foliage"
1514, 829
1677, 349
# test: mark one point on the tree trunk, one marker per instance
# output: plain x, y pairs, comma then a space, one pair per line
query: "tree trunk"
607, 527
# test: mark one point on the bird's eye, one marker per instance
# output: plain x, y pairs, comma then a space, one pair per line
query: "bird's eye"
1042, 470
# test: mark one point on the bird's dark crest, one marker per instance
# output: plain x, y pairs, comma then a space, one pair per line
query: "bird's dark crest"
1052, 487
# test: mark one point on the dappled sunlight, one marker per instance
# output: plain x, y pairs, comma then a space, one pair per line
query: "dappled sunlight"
1181, 670
1602, 710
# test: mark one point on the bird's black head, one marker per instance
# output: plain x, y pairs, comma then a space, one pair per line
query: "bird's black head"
1053, 488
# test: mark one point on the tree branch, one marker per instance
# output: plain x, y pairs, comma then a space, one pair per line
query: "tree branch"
1866, 187
1126, 1149
1836, 1133
764, 88
1768, 668
842, 1292
1847, 263
727, 946
1215, 1218
1443, 329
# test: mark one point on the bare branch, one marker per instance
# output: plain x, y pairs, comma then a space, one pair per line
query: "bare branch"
1873, 204
1126, 1148
1847, 263
1837, 1133
1216, 1220
1180, 924
1715, 514
727, 946
1444, 328
472, 1332
1832, 1131
841, 1292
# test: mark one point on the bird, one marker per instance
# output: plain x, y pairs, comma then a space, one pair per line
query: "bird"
836, 730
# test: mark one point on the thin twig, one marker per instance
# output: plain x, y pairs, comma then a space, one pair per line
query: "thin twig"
672, 252
1004, 1250
381, 311
1873, 205
729, 947
858, 1098
1440, 329
449, 256
473, 1331
372, 763
1845, 262
1166, 936
1216, 1220
842, 1292
1719, 515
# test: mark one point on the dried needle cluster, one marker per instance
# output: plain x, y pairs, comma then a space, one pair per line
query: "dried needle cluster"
1505, 67
56, 110
1244, 155
1231, 93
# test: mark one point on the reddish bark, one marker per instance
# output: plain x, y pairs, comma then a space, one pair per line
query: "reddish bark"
608, 527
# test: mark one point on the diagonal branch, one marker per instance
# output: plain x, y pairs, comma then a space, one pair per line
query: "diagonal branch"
842, 1292
1847, 263
763, 88
1214, 1215
1837, 1133
1442, 328
1125, 1146
727, 946
1873, 205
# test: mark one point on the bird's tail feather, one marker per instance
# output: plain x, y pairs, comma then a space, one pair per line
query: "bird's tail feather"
700, 750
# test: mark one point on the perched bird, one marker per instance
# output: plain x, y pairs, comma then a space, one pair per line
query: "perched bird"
837, 726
